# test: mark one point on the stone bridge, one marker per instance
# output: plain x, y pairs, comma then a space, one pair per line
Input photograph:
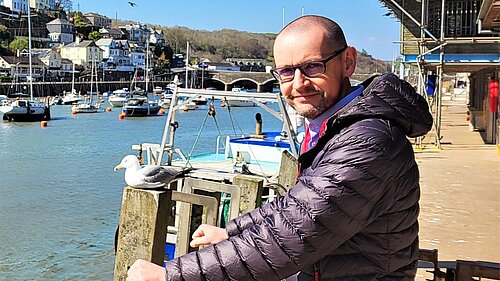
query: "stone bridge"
258, 81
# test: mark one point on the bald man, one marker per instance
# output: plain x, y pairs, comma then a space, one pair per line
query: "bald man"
352, 214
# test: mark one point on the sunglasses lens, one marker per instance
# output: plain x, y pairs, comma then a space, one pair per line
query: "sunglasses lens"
313, 69
286, 73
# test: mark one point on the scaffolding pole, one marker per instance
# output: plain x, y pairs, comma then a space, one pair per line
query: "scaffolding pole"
422, 66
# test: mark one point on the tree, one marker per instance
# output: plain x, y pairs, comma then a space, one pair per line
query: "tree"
4, 33
19, 44
94, 35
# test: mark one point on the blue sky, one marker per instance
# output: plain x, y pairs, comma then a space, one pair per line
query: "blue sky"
362, 20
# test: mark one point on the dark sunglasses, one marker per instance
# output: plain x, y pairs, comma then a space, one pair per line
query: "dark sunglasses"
309, 69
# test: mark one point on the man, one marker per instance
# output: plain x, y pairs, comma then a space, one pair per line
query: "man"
353, 213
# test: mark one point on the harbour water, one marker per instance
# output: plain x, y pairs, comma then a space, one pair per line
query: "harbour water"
59, 197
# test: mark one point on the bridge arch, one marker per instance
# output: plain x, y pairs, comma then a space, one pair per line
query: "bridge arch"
247, 83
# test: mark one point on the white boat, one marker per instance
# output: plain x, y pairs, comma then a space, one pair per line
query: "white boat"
119, 97
140, 107
199, 100
164, 103
191, 105
22, 109
85, 107
157, 90
71, 97
238, 101
90, 104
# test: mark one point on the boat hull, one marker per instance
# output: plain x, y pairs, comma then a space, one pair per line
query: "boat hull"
32, 113
141, 111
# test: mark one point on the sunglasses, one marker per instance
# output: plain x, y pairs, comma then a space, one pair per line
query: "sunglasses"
309, 69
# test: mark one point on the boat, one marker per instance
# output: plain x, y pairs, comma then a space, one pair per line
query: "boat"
189, 105
157, 90
258, 153
119, 97
199, 100
4, 97
72, 96
25, 110
238, 101
140, 106
89, 104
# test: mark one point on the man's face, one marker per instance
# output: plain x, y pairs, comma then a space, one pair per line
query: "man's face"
309, 96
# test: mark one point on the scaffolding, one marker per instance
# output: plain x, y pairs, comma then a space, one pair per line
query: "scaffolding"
441, 22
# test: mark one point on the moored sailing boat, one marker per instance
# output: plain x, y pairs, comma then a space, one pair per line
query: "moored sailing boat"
26, 110
88, 105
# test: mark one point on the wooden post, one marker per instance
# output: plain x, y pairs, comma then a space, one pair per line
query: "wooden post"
143, 228
251, 192
288, 170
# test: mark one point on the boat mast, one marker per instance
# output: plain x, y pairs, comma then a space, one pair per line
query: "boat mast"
91, 76
29, 53
73, 80
187, 62
146, 79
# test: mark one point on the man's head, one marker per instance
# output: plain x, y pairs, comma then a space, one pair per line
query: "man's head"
312, 42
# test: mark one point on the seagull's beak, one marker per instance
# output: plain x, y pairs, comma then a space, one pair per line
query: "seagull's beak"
118, 167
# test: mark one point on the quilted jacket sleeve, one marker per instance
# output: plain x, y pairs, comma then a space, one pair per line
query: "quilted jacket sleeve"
347, 189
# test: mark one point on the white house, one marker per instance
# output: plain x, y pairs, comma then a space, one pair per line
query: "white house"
20, 6
82, 53
50, 58
137, 55
61, 31
42, 4
115, 54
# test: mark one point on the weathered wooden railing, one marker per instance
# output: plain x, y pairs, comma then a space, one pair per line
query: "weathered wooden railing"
146, 214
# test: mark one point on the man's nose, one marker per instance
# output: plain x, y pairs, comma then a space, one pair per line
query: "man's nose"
299, 79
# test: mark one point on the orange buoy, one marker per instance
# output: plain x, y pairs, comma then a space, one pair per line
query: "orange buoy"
73, 112
223, 104
102, 100
108, 109
43, 124
122, 116
162, 111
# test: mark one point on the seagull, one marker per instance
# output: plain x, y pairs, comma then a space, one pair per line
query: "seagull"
132, 4
148, 176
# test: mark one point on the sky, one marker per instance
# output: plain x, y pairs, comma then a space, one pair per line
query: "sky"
363, 21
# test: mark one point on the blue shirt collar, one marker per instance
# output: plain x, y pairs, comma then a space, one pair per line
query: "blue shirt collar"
315, 124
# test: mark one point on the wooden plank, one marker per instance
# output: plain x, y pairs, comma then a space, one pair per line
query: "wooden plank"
210, 211
251, 192
142, 229
289, 169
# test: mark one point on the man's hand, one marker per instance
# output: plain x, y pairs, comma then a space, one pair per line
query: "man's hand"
143, 270
208, 234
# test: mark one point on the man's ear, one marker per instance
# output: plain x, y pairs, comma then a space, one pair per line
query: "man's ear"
350, 61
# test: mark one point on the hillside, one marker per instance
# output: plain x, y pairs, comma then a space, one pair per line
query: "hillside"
213, 45
226, 43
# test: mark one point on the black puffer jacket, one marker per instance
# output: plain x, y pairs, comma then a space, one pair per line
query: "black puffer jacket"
353, 213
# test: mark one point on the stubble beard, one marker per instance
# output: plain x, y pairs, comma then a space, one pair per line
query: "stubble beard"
308, 110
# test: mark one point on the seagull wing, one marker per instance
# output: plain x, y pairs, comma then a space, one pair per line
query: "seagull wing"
157, 174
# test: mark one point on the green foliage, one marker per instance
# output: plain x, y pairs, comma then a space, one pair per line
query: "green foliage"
19, 44
78, 19
4, 33
94, 35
